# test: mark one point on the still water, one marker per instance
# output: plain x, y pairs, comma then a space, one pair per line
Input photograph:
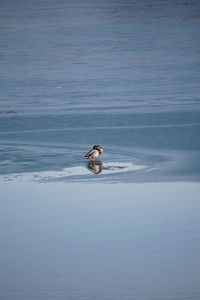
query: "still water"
124, 74
97, 241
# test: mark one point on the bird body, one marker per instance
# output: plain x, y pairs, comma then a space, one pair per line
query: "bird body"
94, 153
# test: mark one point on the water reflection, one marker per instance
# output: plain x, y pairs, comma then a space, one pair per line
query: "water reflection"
95, 167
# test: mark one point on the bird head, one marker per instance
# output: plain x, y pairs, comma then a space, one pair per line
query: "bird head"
99, 148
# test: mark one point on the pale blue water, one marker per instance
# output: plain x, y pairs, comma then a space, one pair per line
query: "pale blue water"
123, 74
99, 241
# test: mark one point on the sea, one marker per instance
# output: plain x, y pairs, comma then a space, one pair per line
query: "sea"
124, 74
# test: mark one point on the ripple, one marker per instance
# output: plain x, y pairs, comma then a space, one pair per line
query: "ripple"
76, 172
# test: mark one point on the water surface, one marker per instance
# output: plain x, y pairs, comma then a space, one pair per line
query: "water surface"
124, 74
99, 241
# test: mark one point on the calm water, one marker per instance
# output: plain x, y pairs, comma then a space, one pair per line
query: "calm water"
124, 74
99, 241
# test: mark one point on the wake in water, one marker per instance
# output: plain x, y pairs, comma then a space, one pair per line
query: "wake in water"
79, 173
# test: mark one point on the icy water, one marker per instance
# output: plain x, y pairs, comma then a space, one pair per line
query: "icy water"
123, 74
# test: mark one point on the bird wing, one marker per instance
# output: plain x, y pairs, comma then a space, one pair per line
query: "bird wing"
92, 153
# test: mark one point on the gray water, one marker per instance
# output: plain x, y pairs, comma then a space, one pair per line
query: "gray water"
124, 74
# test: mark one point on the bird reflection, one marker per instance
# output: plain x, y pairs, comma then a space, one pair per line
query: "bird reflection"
95, 167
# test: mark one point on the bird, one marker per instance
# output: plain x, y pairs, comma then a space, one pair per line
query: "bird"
94, 153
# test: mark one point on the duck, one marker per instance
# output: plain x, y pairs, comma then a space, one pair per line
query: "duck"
94, 153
